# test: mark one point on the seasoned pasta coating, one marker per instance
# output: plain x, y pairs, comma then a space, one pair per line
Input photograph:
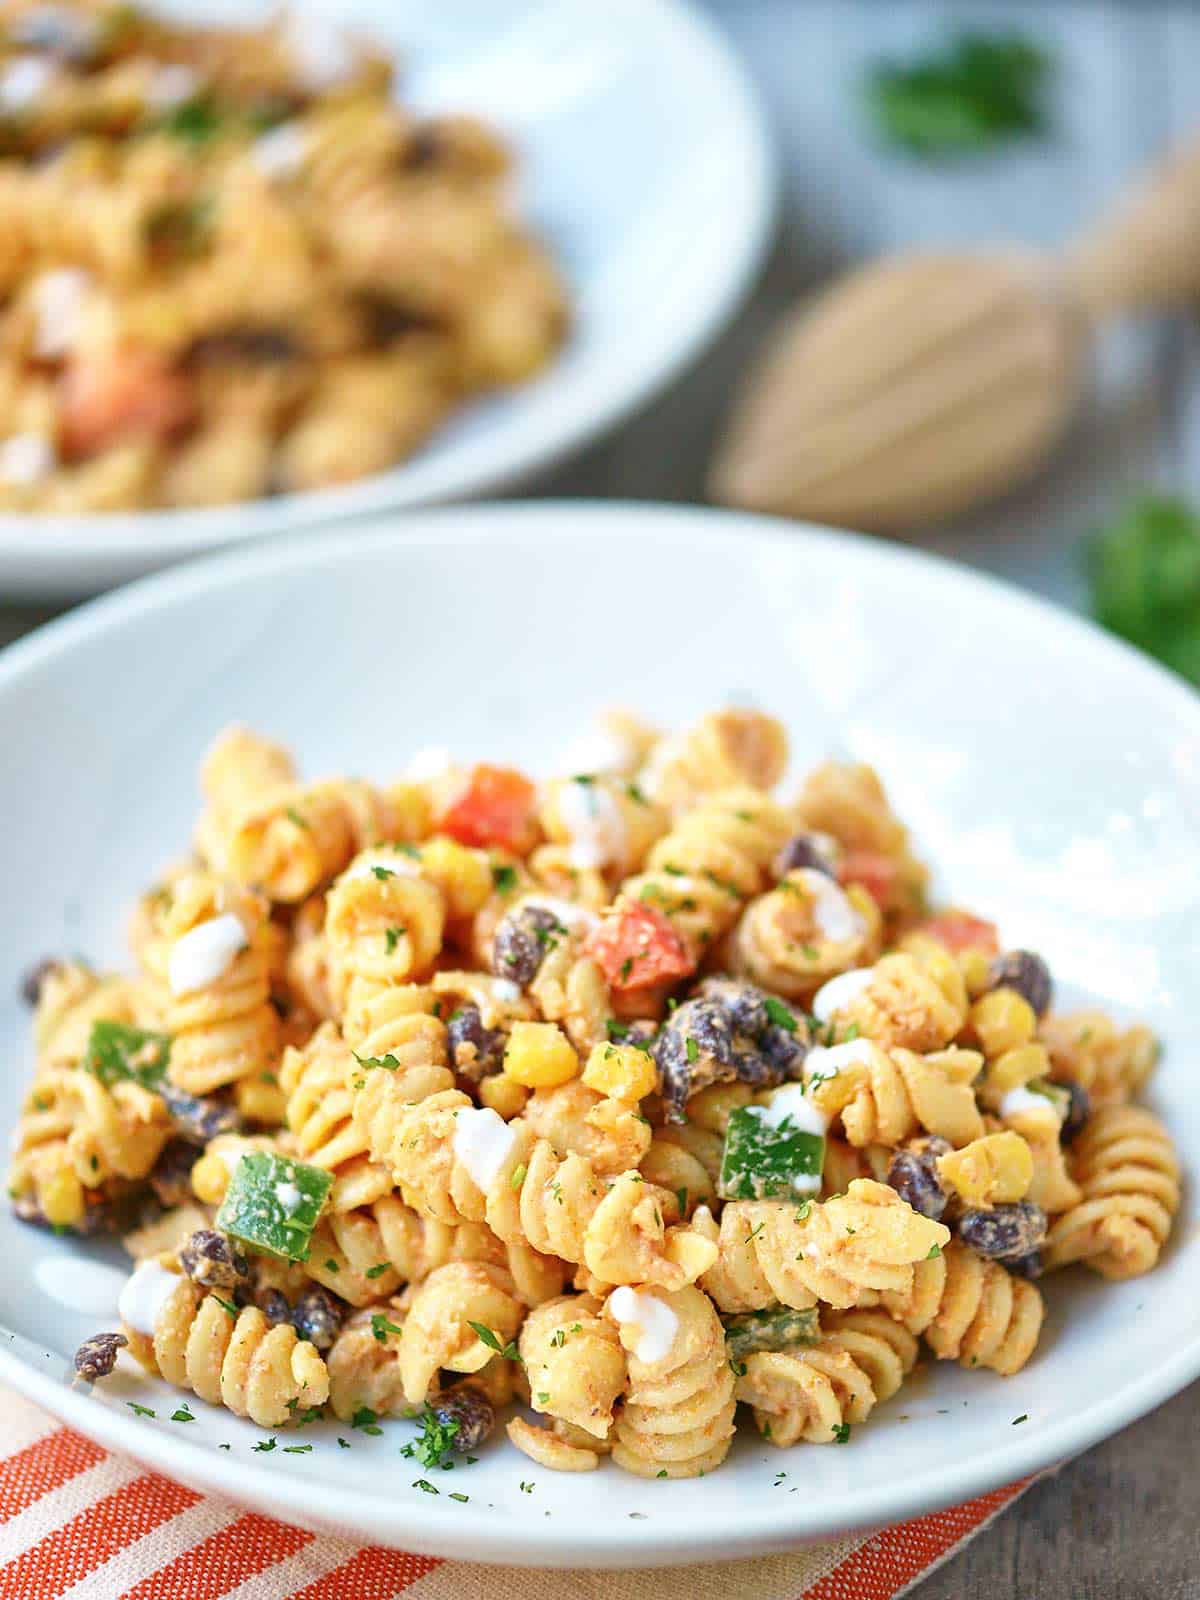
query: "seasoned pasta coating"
906, 1005
576, 1120
239, 770
574, 1362
252, 1368
223, 1030
841, 1251
848, 802
604, 824
71, 997
732, 749
1128, 1172
970, 1310
678, 1412
383, 924
714, 859
1088, 1048
620, 1230
438, 1330
886, 1096
803, 932
320, 1102
364, 1369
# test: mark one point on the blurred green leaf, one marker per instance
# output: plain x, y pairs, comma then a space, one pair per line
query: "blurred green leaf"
976, 91
1145, 578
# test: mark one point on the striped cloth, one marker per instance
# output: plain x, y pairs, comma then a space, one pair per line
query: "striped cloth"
78, 1523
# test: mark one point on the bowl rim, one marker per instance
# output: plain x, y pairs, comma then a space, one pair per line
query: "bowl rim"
440, 1528
109, 541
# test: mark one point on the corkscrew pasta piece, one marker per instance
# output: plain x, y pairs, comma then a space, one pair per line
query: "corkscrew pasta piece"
732, 749
306, 965
885, 1096
882, 1347
679, 1406
383, 924
1088, 1048
1126, 1166
244, 1363
364, 1365
438, 1331
603, 824
215, 951
319, 1115
713, 860
970, 1310
438, 1149
847, 801
898, 1003
240, 769
574, 1362
575, 1120
843, 1250
803, 932
400, 1046
71, 997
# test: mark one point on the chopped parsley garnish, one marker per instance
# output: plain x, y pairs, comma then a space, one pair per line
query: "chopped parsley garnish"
296, 1449
389, 1063
392, 937
681, 1195
378, 1270
294, 816
517, 1176
343, 1444
366, 1419
266, 1444
841, 1432
382, 873
436, 1440
140, 1411
504, 879
1024, 1417
227, 1306
196, 121
978, 90
381, 1326
424, 1483
120, 1053
693, 1050
463, 1498
935, 1250
779, 1014
508, 1351
738, 1368
526, 1488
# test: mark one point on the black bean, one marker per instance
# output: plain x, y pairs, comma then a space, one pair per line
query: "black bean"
199, 1118
171, 1179
1028, 974
1079, 1110
214, 1261
694, 1049
522, 941
387, 320
469, 1411
1027, 1266
913, 1175
317, 1316
273, 1304
805, 850
97, 1356
743, 1003
784, 1050
1004, 1233
31, 983
474, 1049
424, 148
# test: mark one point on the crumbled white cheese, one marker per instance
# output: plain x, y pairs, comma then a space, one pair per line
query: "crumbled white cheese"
23, 81
289, 1197
840, 991
431, 762
173, 85
26, 458
59, 298
483, 1142
823, 1061
574, 918
145, 1294
791, 1103
281, 153
320, 49
594, 821
599, 750
1024, 1102
202, 955
832, 911
654, 1321
506, 991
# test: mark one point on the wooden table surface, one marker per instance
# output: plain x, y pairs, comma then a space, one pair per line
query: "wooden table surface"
1120, 1522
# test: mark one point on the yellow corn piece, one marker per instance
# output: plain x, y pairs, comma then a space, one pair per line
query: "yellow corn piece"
503, 1095
621, 1071
1002, 1020
539, 1055
992, 1171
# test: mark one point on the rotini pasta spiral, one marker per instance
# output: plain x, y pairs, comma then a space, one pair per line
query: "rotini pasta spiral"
804, 931
225, 1029
842, 1250
603, 823
239, 771
1126, 1167
244, 1363
904, 1004
678, 1412
320, 1102
713, 860
970, 1310
364, 1370
71, 997
438, 1332
732, 749
620, 1230
848, 802
1088, 1048
574, 1362
886, 1096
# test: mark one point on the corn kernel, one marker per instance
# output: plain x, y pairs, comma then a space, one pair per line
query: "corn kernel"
976, 968
1002, 1020
621, 1071
539, 1055
994, 1170
210, 1179
61, 1198
503, 1095
1017, 1067
261, 1100
464, 876
691, 1251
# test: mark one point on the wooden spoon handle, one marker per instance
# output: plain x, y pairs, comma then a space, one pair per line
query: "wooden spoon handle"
1145, 256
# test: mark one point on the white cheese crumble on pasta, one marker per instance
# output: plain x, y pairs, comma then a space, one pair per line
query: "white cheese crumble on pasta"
840, 991
483, 1142
26, 458
145, 1294
654, 1323
203, 954
593, 819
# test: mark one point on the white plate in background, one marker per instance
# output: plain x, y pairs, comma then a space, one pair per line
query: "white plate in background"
643, 163
1051, 775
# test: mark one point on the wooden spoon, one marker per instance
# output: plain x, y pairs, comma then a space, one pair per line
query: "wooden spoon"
923, 384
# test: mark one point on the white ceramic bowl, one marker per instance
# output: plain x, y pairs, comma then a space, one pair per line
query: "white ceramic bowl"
1051, 774
644, 163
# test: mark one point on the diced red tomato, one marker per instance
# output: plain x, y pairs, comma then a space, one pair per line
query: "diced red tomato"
876, 872
959, 930
497, 806
638, 948
124, 394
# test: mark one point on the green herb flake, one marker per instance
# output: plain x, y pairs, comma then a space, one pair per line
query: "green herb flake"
779, 1014
392, 937
841, 1432
1024, 1417
935, 1250
343, 1444
517, 1176
693, 1050
227, 1306
435, 1441
381, 1326
424, 1483
504, 879
527, 1488
140, 1411
266, 1444
507, 1351
366, 1420
296, 1449
378, 1270
461, 1498
273, 1203
119, 1053
294, 816
978, 90
764, 1160
388, 1063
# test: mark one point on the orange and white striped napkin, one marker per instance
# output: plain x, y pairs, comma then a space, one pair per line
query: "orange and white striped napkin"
79, 1523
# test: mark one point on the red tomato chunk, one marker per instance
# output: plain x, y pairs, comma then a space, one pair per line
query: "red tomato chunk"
496, 807
636, 947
